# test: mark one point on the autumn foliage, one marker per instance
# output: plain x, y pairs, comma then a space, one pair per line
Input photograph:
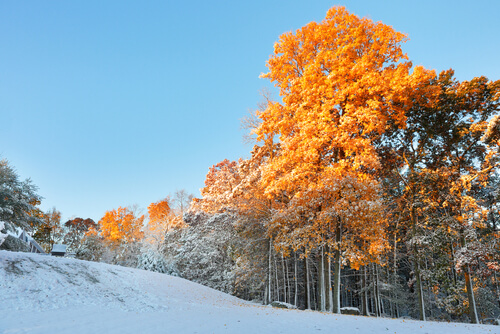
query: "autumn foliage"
162, 219
121, 226
220, 183
341, 82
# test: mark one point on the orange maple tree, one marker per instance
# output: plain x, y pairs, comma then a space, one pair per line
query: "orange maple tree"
342, 82
162, 219
121, 226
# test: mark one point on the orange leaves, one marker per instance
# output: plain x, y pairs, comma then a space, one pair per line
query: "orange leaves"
341, 81
162, 219
159, 211
343, 202
121, 226
344, 82
220, 183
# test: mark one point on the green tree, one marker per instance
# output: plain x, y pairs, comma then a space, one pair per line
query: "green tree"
76, 229
50, 231
18, 199
442, 160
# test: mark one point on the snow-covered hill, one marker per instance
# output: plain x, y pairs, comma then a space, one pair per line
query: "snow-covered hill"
43, 294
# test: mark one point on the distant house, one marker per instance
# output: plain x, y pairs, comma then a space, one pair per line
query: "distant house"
18, 240
58, 250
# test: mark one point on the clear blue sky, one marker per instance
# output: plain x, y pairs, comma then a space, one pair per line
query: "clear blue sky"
114, 103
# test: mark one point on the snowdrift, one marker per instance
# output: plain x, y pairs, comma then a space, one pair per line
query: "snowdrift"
44, 294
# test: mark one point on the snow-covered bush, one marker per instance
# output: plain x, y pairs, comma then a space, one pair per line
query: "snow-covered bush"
203, 252
487, 303
350, 310
91, 248
154, 261
279, 304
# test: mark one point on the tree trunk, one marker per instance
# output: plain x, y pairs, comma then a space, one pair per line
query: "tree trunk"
420, 295
395, 273
379, 298
295, 278
364, 293
270, 276
285, 274
266, 297
314, 290
307, 285
336, 274
375, 292
321, 282
470, 295
288, 283
328, 280
469, 289
277, 295
391, 292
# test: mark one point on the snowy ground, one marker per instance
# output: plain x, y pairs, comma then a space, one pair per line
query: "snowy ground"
43, 294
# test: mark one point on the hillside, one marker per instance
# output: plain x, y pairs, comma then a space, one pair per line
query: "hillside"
43, 294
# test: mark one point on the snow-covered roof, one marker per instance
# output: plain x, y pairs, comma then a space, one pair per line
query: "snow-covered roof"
59, 248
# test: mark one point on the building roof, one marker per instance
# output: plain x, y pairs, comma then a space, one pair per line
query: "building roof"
59, 248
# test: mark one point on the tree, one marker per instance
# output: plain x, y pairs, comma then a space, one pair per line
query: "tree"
18, 199
342, 82
220, 182
121, 231
460, 160
235, 187
76, 230
181, 200
443, 164
50, 231
162, 220
121, 226
92, 246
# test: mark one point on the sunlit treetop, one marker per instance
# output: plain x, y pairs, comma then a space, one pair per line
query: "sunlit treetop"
342, 82
121, 226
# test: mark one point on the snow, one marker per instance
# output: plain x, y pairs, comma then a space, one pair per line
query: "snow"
2, 235
283, 305
45, 294
59, 248
347, 308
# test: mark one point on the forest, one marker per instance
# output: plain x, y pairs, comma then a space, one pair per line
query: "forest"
372, 184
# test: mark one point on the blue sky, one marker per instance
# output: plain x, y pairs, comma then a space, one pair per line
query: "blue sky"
115, 103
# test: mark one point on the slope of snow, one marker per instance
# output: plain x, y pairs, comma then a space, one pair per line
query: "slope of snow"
44, 294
